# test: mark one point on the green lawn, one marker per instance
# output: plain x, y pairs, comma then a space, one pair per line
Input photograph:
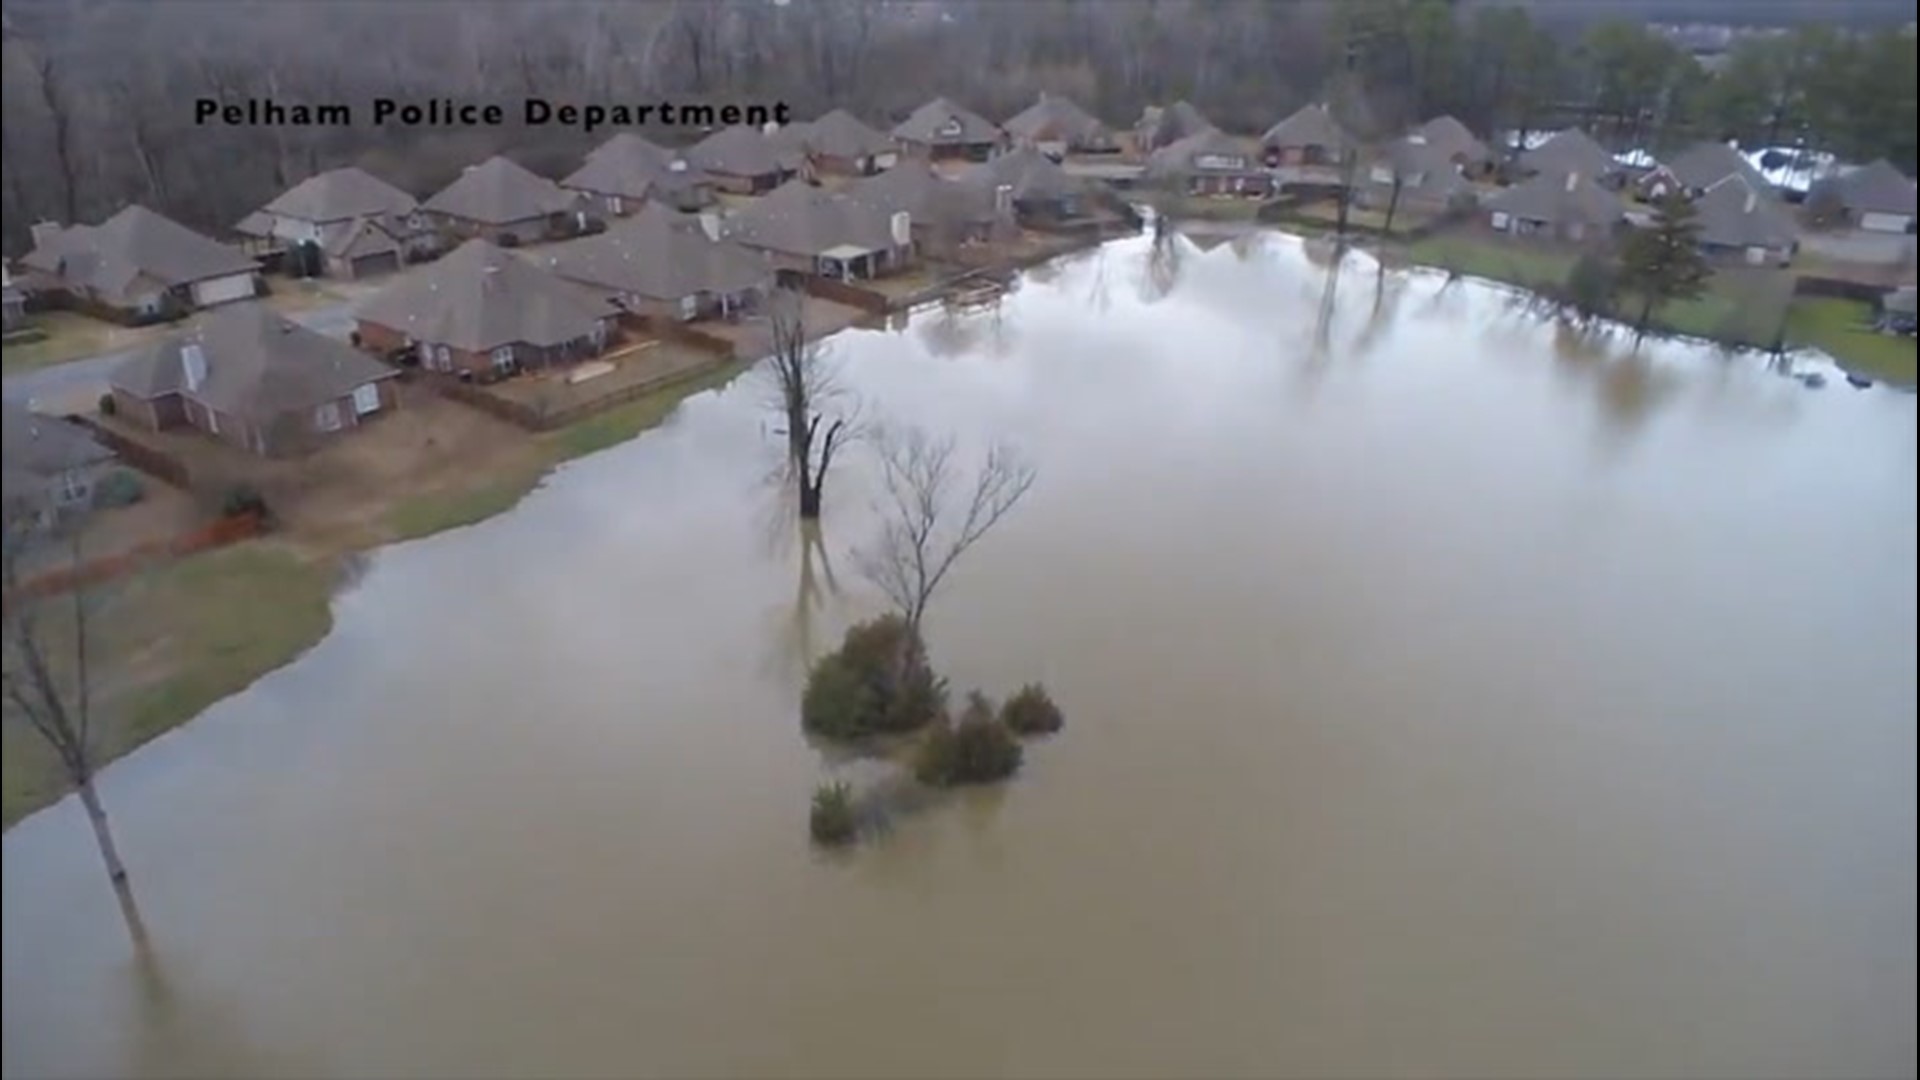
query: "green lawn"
1844, 330
68, 337
1514, 263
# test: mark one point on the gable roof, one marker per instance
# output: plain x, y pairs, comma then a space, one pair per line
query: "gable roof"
1560, 198
1054, 117
340, 194
259, 364
841, 134
44, 446
1425, 168
926, 195
743, 151
796, 219
1179, 158
1735, 212
1163, 127
1311, 125
660, 254
499, 191
1876, 188
134, 244
629, 166
1031, 174
1705, 164
942, 122
1453, 139
1568, 151
481, 297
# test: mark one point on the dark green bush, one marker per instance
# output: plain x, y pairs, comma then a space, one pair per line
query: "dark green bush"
832, 820
1030, 711
878, 682
976, 749
118, 488
108, 406
243, 499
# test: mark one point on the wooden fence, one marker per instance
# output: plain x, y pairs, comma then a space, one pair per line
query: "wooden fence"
1838, 289
539, 420
158, 464
842, 293
225, 531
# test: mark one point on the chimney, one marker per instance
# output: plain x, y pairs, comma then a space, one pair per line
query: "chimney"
710, 224
44, 231
193, 365
1573, 180
902, 229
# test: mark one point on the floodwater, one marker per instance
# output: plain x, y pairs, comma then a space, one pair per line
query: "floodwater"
1445, 697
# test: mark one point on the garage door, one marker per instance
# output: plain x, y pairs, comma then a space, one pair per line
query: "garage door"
222, 290
384, 262
1890, 223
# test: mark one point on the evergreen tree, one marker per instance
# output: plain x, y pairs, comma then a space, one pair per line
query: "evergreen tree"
1662, 263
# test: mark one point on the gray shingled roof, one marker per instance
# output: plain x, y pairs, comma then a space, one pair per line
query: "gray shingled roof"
133, 244
1735, 212
1425, 169
843, 135
481, 297
1877, 188
796, 219
1568, 151
340, 194
1705, 164
744, 151
1177, 159
1454, 139
1031, 174
44, 446
499, 191
930, 124
1056, 118
259, 364
929, 197
660, 254
631, 167
1164, 127
1311, 125
1548, 197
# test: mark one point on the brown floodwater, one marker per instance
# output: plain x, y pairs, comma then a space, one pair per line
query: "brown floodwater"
1445, 696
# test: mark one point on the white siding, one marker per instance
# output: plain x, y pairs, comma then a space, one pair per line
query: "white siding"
1887, 223
222, 290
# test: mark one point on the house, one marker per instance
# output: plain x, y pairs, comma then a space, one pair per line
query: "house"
841, 144
1412, 174
1457, 142
941, 130
626, 172
1695, 169
51, 468
1311, 136
1876, 198
943, 214
1897, 311
140, 266
356, 224
1211, 163
1570, 151
503, 202
1159, 128
661, 263
1037, 188
806, 230
255, 379
1057, 126
1741, 218
484, 313
747, 160
1568, 206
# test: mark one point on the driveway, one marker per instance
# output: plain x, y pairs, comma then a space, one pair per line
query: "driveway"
79, 383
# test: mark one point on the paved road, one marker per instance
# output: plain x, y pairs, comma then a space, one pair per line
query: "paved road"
85, 379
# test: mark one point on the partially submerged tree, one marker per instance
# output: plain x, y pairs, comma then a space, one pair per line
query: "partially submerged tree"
45, 649
805, 386
934, 515
1662, 263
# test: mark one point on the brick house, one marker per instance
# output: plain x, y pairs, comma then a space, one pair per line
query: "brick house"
139, 266
627, 172
358, 223
501, 201
941, 130
663, 264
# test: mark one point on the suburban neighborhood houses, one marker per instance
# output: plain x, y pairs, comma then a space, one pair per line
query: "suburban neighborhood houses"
138, 266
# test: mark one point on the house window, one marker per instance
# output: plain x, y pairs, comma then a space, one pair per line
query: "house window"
1382, 175
689, 307
503, 359
73, 488
366, 399
443, 358
327, 417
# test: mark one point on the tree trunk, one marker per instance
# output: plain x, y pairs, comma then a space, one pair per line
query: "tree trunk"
116, 870
1393, 205
810, 497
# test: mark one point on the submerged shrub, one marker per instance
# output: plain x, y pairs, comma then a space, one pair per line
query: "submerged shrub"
878, 682
1031, 711
832, 819
976, 749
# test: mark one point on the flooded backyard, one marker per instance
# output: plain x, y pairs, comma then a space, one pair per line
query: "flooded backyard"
1445, 695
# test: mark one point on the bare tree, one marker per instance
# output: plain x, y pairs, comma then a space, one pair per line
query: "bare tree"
804, 384
931, 520
45, 674
53, 91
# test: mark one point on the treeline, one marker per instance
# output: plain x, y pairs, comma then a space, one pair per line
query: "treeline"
98, 94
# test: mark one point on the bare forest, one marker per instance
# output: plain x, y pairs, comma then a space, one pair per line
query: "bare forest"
99, 94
